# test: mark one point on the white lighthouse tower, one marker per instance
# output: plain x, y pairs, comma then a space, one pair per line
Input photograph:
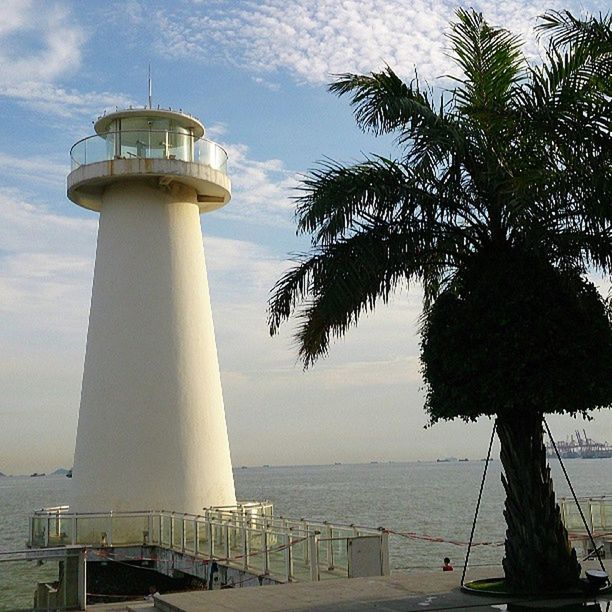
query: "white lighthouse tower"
152, 432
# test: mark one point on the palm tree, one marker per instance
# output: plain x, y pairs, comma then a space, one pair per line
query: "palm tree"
497, 204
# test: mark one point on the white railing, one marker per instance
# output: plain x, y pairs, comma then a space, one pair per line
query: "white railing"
148, 144
246, 537
597, 512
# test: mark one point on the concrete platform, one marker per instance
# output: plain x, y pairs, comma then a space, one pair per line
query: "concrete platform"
406, 592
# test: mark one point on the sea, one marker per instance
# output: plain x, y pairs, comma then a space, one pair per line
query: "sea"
434, 500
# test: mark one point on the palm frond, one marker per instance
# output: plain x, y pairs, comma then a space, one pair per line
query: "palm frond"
383, 103
564, 29
334, 197
491, 60
341, 281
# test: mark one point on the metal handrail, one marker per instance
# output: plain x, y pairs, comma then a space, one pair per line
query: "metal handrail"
597, 509
294, 522
174, 145
232, 538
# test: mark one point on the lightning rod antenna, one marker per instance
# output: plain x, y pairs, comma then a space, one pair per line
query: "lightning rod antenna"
150, 88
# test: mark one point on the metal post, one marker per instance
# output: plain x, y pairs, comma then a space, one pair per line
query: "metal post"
73, 538
313, 556
289, 557
245, 546
183, 534
82, 580
110, 528
384, 553
266, 556
227, 539
211, 542
563, 510
306, 547
330, 548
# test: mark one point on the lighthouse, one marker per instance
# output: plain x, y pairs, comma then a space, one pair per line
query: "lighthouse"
151, 433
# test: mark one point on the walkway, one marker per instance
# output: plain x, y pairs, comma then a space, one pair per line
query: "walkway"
400, 592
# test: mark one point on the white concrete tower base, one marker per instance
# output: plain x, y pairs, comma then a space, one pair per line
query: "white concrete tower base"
152, 432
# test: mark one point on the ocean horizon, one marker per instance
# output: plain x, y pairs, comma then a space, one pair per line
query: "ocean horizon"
428, 498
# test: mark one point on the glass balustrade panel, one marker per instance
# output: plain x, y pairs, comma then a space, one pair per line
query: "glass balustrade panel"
166, 530
39, 530
340, 548
148, 144
177, 532
130, 530
190, 535
236, 543
93, 530
203, 539
155, 532
256, 550
277, 555
301, 565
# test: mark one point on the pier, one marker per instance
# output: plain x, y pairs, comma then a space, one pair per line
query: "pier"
223, 547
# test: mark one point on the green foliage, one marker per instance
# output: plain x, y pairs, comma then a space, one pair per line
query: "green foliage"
515, 336
497, 203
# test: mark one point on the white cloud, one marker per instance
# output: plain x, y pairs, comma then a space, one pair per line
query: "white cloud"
216, 130
38, 169
261, 190
63, 102
13, 15
314, 40
30, 73
60, 42
45, 267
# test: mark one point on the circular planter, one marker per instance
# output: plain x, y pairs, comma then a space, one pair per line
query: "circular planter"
495, 587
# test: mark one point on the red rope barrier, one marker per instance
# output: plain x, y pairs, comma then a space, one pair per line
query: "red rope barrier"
427, 538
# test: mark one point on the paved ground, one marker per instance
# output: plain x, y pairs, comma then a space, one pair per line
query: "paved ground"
427, 591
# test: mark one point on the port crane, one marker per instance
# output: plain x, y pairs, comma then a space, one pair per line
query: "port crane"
581, 447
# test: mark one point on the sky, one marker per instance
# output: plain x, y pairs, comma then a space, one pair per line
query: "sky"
255, 73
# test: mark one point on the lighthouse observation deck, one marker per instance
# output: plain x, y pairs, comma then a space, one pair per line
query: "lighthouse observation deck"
148, 144
161, 146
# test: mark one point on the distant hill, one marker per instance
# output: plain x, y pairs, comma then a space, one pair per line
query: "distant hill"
2, 475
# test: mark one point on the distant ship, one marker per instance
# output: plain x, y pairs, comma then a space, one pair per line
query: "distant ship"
37, 475
581, 447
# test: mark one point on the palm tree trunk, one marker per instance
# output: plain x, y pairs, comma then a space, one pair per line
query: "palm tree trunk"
539, 556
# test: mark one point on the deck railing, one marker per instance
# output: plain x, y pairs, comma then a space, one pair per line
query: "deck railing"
597, 512
246, 537
148, 144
